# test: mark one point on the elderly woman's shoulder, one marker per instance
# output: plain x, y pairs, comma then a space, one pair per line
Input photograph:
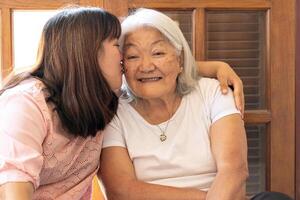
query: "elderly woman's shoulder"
208, 87
209, 83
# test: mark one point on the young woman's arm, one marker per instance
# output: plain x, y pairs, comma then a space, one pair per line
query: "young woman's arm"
226, 76
22, 133
120, 182
229, 147
16, 191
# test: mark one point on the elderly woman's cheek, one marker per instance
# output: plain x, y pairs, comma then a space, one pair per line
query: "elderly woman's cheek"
173, 66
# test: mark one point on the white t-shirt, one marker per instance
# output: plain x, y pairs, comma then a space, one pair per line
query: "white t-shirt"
185, 159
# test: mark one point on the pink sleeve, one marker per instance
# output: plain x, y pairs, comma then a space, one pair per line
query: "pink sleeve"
22, 132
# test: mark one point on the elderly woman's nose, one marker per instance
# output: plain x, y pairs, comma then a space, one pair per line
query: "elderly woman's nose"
147, 65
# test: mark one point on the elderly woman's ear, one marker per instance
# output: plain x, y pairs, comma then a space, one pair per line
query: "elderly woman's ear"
181, 60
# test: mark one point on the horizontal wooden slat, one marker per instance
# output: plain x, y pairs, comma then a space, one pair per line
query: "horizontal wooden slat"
253, 179
248, 62
257, 116
254, 168
232, 36
232, 17
247, 72
232, 45
252, 135
250, 90
218, 54
182, 4
36, 4
232, 27
252, 99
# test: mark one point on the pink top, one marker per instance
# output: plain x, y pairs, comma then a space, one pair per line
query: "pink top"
35, 148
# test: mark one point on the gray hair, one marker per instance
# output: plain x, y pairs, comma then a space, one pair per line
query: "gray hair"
169, 28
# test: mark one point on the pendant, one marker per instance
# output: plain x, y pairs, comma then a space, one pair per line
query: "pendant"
163, 137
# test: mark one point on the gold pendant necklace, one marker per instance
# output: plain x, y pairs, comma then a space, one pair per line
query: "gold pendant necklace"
162, 137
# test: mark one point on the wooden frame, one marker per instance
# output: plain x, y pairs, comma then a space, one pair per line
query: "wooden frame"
198, 34
207, 4
117, 7
282, 61
297, 75
37, 4
6, 42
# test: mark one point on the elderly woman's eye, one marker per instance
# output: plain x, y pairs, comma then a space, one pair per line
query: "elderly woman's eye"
158, 53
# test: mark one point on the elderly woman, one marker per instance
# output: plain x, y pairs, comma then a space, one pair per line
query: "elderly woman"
180, 132
175, 136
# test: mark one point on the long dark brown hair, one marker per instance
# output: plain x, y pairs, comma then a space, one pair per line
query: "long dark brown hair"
67, 64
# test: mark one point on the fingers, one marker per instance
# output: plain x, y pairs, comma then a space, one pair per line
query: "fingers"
226, 77
223, 85
239, 96
239, 102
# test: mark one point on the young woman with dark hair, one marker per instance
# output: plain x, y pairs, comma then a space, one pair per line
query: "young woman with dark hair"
50, 117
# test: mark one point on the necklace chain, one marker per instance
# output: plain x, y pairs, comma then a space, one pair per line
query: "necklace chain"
163, 137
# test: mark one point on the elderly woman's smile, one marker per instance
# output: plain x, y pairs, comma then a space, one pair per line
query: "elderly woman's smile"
149, 79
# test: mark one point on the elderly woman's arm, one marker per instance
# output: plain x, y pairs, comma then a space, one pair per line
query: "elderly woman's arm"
120, 182
226, 76
229, 147
16, 191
